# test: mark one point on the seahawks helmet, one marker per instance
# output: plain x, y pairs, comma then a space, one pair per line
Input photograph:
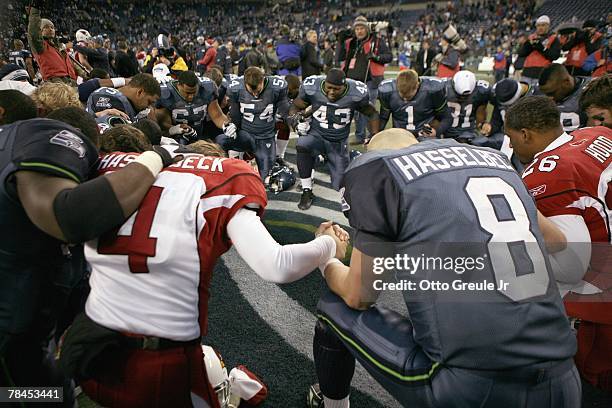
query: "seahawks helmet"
281, 178
109, 121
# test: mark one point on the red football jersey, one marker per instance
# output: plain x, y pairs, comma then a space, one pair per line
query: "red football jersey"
574, 176
151, 276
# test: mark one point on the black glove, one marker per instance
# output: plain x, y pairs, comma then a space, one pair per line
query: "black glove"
373, 57
166, 156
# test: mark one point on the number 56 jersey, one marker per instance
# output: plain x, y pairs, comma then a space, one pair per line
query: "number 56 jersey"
151, 276
332, 120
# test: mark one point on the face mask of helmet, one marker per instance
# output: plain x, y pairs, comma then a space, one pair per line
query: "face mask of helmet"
281, 178
217, 375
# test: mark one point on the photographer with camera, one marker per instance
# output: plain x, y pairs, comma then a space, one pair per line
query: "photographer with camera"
448, 59
580, 44
365, 55
539, 51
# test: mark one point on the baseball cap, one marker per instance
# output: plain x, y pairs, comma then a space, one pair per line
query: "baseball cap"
543, 20
464, 82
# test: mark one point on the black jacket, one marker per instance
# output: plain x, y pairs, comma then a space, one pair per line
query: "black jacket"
422, 64
125, 64
311, 65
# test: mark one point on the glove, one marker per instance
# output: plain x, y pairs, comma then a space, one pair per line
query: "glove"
167, 155
303, 128
176, 130
189, 136
294, 120
229, 130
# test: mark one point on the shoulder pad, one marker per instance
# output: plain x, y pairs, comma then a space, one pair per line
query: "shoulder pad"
357, 88
433, 84
277, 82
387, 85
312, 84
482, 84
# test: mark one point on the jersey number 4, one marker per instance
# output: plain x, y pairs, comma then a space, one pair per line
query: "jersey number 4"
139, 245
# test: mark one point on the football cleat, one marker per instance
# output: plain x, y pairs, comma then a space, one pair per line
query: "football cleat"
306, 199
315, 397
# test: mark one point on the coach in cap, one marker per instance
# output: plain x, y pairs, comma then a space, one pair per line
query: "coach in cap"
539, 50
365, 54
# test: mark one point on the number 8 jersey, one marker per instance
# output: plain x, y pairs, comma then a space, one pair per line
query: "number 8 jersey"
151, 275
331, 120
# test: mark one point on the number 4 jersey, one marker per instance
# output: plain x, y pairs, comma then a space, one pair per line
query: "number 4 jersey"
151, 276
331, 120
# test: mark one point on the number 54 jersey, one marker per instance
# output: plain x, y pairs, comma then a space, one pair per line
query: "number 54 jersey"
151, 276
332, 120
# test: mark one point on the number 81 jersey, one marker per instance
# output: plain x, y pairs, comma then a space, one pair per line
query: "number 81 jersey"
331, 120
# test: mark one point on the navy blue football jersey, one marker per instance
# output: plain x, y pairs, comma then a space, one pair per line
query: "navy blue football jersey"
30, 259
466, 216
464, 109
571, 116
332, 120
417, 112
107, 98
257, 113
191, 113
19, 57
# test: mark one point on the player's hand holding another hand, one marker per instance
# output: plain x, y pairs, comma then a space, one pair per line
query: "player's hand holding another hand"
338, 234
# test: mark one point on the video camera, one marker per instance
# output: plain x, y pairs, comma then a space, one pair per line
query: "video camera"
450, 34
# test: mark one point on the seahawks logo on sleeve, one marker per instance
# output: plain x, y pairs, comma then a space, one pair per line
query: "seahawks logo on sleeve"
68, 139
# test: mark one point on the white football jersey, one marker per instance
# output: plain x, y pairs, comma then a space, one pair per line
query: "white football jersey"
151, 276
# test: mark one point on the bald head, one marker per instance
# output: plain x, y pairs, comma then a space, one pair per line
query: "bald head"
392, 139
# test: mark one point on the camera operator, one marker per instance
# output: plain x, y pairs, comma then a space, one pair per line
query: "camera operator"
540, 50
164, 54
580, 44
96, 54
365, 55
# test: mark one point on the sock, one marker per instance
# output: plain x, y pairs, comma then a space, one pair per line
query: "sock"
281, 146
307, 183
233, 154
331, 403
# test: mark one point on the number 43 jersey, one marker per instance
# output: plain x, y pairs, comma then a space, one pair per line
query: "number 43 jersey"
331, 120
151, 276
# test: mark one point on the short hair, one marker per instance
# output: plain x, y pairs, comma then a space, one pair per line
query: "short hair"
78, 118
533, 112
597, 93
147, 83
17, 106
253, 76
124, 138
54, 95
151, 130
310, 32
18, 43
293, 81
188, 78
98, 73
215, 74
207, 148
407, 80
122, 44
552, 72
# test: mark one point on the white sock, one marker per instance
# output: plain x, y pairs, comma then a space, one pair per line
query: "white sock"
281, 146
331, 403
307, 183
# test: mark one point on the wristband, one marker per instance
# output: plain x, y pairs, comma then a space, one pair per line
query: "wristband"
322, 267
118, 82
151, 161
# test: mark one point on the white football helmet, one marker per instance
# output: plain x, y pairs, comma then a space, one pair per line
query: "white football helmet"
217, 374
82, 35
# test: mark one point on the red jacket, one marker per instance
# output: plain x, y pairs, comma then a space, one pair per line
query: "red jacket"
376, 69
53, 63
